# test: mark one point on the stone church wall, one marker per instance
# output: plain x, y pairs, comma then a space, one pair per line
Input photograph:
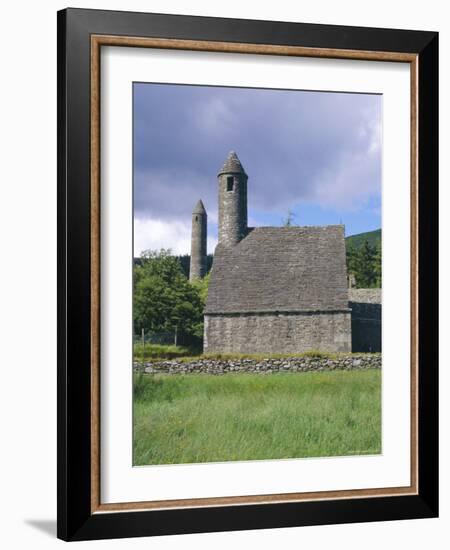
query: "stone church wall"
278, 332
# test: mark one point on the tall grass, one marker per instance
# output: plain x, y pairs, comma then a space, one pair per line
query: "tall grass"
161, 352
149, 352
204, 418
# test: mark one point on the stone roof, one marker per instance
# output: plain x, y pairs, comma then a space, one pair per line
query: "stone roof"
280, 269
199, 208
232, 165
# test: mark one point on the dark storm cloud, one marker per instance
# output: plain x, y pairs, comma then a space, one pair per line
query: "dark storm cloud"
295, 146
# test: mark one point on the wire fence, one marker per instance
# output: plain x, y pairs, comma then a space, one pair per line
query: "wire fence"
169, 338
164, 338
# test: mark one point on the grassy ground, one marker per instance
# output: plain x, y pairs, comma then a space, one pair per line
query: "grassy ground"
207, 418
161, 352
150, 352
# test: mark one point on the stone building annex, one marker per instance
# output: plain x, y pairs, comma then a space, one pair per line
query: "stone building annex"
272, 289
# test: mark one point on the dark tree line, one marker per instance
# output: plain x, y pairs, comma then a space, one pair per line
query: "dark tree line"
185, 261
364, 262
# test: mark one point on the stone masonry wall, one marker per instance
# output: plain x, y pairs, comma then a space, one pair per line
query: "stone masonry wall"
198, 246
278, 332
232, 209
365, 295
263, 366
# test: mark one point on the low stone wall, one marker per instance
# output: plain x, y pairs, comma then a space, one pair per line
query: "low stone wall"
365, 295
264, 366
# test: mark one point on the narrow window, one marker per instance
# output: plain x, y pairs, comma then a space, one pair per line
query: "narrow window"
196, 218
230, 183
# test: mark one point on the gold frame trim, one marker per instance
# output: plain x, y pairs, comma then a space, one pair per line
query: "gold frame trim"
97, 41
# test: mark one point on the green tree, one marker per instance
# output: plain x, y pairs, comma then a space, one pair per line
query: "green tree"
290, 219
366, 276
163, 298
364, 262
377, 267
160, 263
202, 287
352, 262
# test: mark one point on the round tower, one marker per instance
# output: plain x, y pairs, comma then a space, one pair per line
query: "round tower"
198, 242
232, 201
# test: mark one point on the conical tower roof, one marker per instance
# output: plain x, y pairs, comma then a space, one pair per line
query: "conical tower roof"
232, 165
199, 208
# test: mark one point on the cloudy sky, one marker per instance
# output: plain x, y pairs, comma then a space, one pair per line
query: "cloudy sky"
316, 154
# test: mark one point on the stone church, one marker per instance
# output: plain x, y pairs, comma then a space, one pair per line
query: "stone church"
272, 289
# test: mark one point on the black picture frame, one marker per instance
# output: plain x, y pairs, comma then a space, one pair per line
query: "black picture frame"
75, 518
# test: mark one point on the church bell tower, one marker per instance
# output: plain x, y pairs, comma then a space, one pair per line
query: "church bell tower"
232, 182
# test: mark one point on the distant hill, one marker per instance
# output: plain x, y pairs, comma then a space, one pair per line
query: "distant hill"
373, 237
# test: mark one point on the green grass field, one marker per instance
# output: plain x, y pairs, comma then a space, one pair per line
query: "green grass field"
207, 418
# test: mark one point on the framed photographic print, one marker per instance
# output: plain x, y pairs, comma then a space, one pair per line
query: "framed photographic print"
247, 274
